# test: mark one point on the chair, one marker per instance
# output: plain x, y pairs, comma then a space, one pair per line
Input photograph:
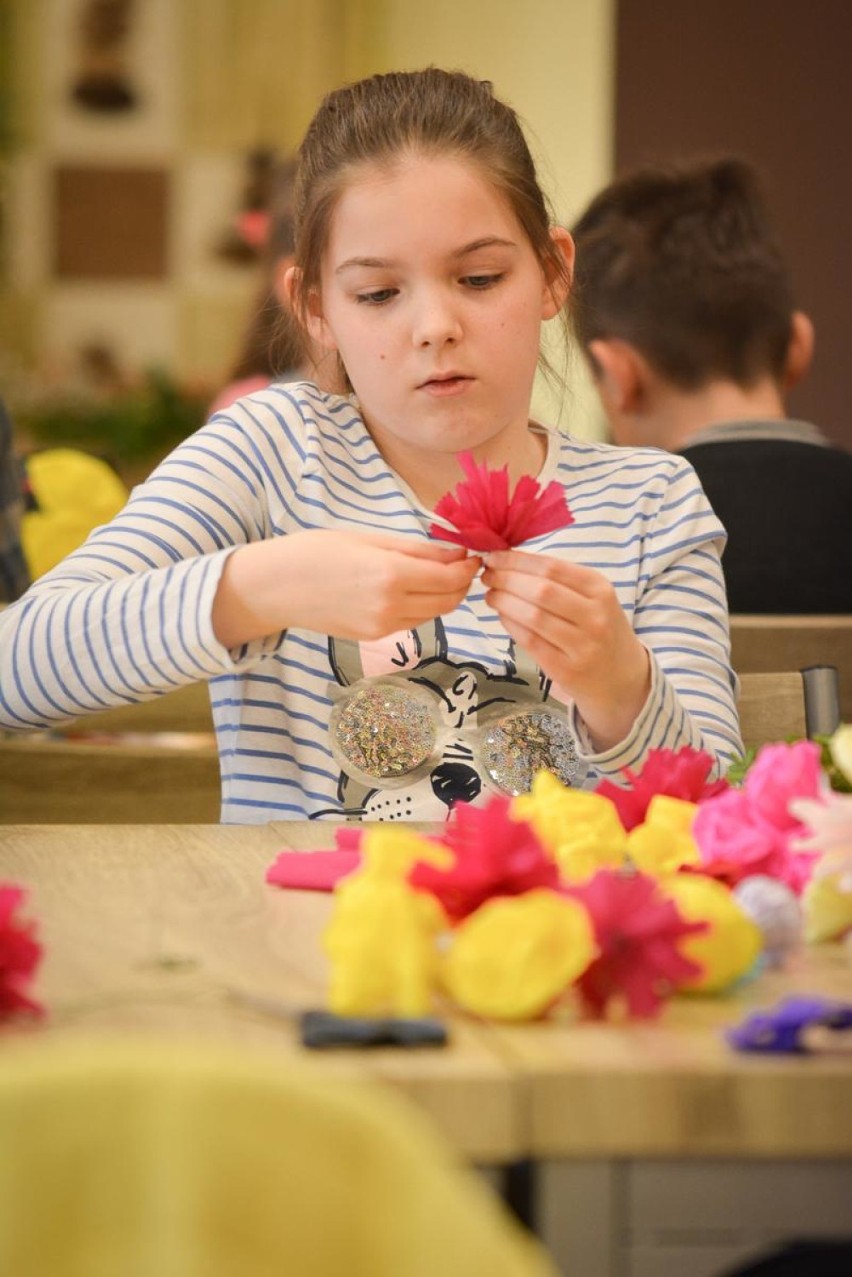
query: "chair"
154, 1159
779, 706
761, 644
117, 766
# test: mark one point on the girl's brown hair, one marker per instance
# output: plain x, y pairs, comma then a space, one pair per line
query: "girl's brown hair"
430, 113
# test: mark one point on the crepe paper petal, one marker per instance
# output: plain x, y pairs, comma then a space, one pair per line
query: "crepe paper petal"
782, 772
484, 515
732, 943
840, 747
311, 870
514, 957
735, 842
780, 1029
381, 941
493, 855
677, 773
580, 830
776, 910
828, 831
639, 932
20, 954
827, 906
663, 843
389, 850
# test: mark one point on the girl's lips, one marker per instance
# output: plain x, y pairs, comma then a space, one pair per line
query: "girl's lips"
446, 386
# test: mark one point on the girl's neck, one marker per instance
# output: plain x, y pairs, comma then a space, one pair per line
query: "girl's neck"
430, 474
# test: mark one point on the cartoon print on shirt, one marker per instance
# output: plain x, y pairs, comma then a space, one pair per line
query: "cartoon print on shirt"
414, 732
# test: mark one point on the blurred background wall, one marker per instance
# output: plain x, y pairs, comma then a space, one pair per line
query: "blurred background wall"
120, 251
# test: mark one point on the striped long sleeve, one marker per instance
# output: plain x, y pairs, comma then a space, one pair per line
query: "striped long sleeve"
128, 616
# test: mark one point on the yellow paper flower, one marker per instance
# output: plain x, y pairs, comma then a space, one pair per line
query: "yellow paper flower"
733, 942
516, 954
391, 850
827, 906
840, 745
381, 942
664, 843
581, 830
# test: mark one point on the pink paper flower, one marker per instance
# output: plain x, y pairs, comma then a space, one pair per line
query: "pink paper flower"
487, 518
638, 931
781, 773
735, 841
677, 774
20, 954
494, 856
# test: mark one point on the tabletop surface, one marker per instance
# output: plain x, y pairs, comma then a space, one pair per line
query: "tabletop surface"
171, 929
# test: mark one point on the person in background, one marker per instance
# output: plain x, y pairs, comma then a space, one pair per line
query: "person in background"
683, 305
362, 669
275, 348
14, 573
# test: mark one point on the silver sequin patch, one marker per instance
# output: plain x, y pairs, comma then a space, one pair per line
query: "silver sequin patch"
517, 746
384, 731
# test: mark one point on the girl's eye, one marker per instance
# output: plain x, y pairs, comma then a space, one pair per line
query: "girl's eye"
482, 281
376, 298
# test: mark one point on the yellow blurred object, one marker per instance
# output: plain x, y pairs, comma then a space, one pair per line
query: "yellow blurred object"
141, 1159
733, 942
840, 745
382, 935
827, 908
516, 954
664, 843
75, 493
581, 830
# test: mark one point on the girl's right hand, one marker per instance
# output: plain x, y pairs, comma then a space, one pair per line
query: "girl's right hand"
359, 585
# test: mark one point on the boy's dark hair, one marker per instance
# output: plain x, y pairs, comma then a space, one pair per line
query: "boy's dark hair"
684, 264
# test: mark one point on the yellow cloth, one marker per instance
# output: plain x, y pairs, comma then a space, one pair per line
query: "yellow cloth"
76, 492
140, 1159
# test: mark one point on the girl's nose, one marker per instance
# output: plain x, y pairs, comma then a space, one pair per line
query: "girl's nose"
436, 324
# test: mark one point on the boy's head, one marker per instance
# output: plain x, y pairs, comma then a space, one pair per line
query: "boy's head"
682, 265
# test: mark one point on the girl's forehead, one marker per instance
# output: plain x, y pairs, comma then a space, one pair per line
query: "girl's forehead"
420, 194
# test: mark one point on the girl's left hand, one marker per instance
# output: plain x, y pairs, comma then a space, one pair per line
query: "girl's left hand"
568, 618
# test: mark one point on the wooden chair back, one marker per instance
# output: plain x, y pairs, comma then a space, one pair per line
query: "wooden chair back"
795, 703
763, 644
117, 767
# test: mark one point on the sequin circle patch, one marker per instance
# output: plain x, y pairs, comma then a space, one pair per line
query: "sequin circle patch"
384, 731
517, 746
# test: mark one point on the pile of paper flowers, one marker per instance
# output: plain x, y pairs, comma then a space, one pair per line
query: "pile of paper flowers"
615, 899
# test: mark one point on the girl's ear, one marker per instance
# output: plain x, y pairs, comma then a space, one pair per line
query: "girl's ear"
558, 282
308, 309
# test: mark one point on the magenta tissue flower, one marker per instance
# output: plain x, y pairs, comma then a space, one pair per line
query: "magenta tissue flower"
494, 856
638, 930
20, 954
486, 517
677, 774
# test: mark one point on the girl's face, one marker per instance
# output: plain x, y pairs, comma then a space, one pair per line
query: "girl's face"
434, 298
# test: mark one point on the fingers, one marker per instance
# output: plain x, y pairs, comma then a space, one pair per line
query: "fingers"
500, 564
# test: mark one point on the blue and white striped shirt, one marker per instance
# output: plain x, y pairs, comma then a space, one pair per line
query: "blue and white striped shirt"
128, 616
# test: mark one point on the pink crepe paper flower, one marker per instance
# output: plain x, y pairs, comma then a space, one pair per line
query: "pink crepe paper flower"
20, 954
487, 518
781, 773
638, 931
736, 841
677, 774
495, 856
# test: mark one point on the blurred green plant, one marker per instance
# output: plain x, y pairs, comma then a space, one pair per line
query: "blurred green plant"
131, 426
839, 783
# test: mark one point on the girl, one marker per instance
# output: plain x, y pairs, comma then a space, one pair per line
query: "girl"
359, 669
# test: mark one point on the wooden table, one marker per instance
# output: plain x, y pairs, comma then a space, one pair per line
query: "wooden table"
659, 1151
